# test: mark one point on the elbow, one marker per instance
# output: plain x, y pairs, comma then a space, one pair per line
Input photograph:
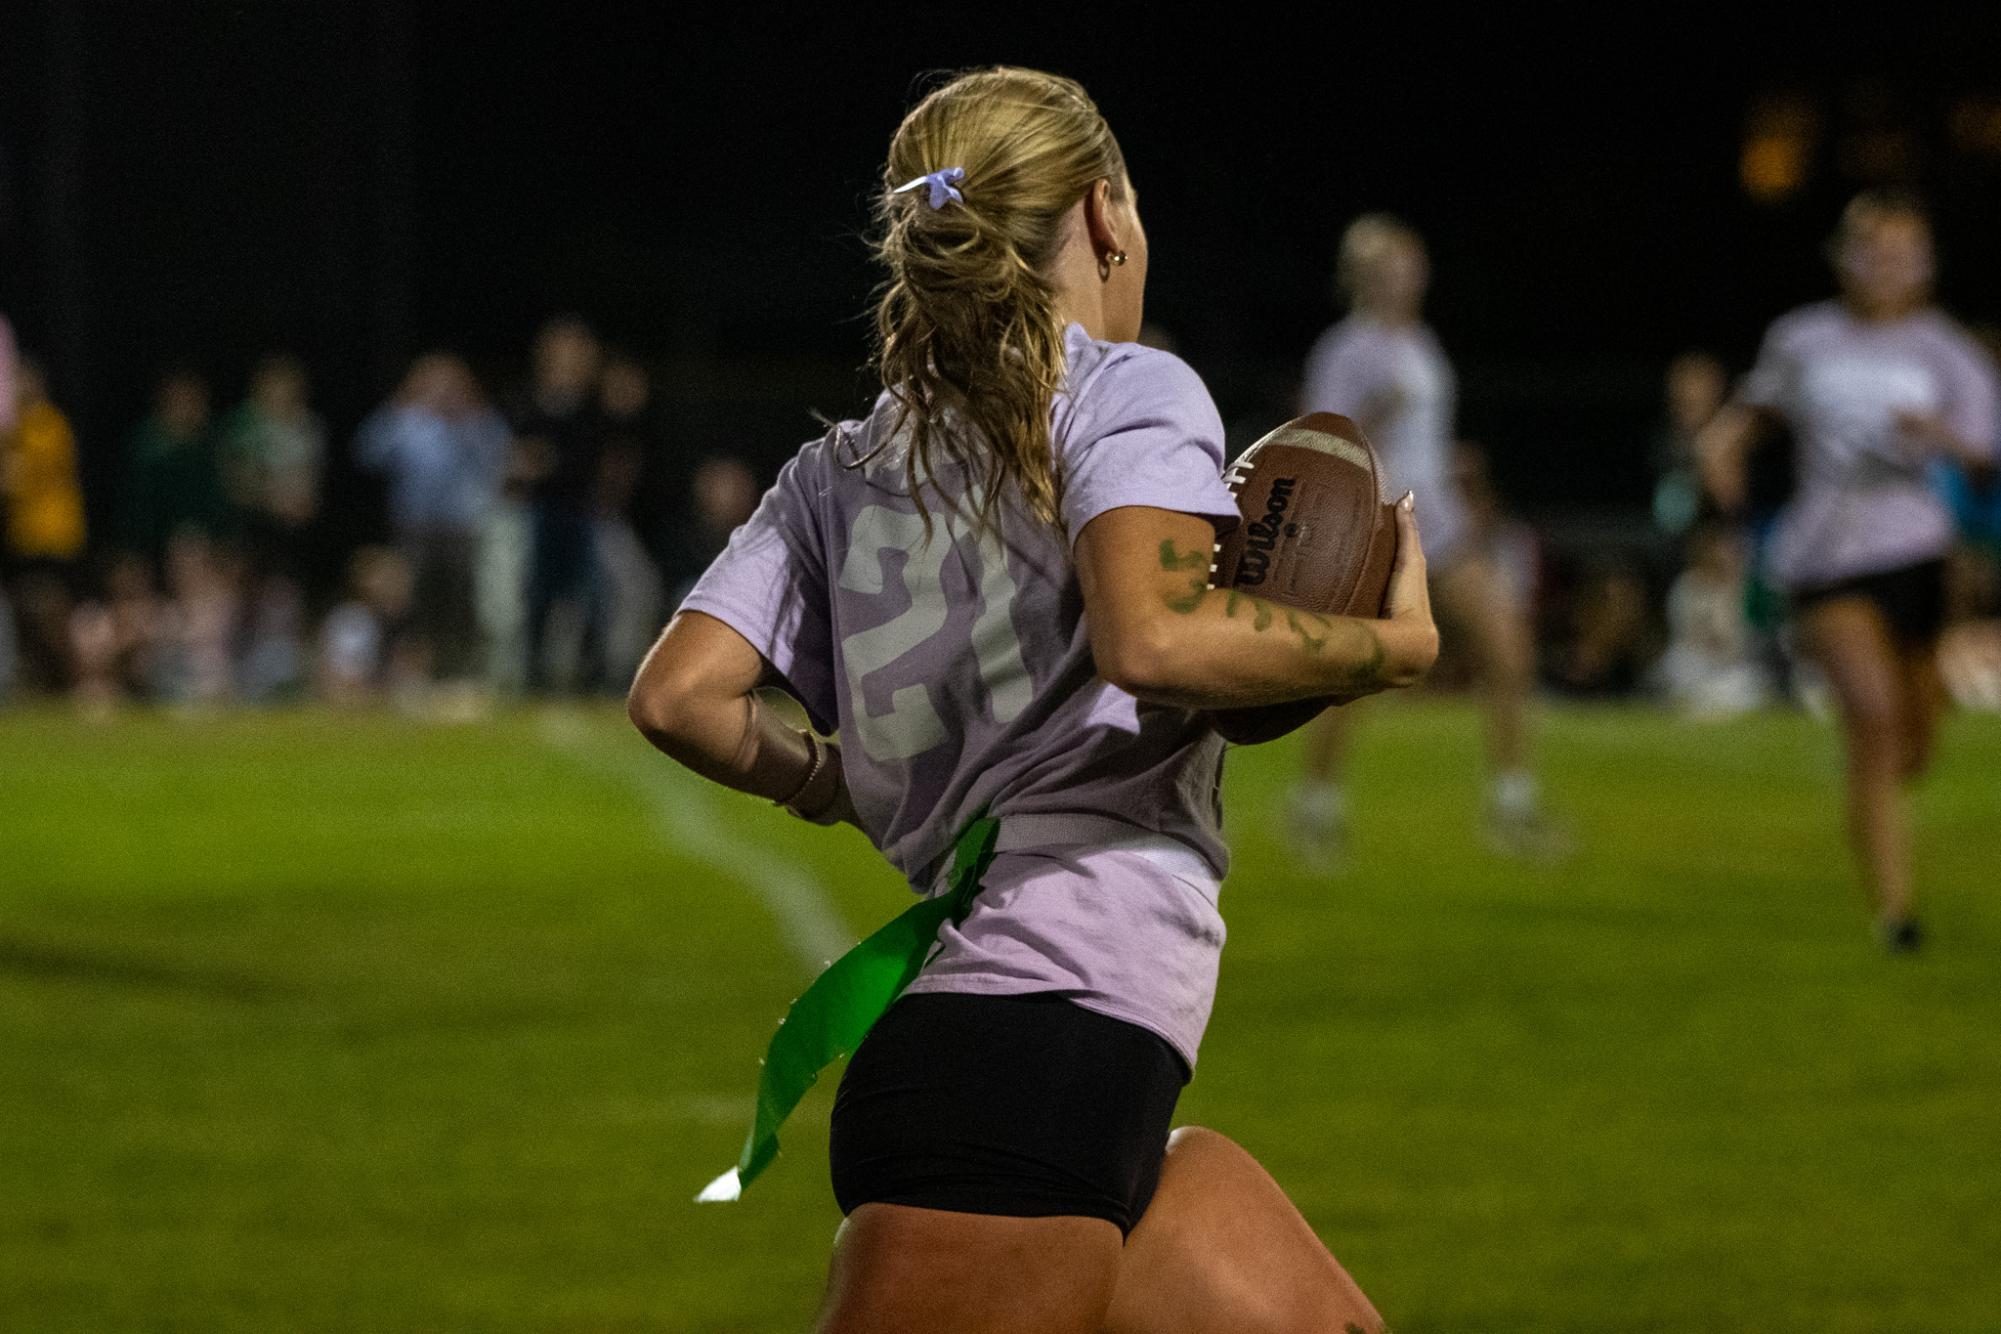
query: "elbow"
650, 710
1138, 658
658, 702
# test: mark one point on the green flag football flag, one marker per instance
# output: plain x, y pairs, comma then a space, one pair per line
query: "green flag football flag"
832, 1016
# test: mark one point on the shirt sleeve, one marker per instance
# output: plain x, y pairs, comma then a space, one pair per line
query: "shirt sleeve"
1972, 396
1144, 431
770, 586
1345, 373
1769, 381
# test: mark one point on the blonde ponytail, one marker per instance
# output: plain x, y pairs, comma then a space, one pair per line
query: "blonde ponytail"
966, 324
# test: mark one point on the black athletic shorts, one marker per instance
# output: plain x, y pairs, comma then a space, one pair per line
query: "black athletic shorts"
1911, 598
1029, 1106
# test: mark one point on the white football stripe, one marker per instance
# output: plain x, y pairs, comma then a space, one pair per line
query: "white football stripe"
1322, 443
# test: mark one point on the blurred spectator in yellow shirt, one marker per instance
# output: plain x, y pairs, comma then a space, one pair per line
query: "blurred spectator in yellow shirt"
44, 527
38, 474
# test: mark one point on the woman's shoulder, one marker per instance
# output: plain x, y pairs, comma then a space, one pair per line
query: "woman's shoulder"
1356, 341
1951, 338
1816, 319
1116, 378
867, 450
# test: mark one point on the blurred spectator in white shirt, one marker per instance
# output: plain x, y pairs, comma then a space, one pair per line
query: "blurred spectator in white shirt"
1710, 669
355, 660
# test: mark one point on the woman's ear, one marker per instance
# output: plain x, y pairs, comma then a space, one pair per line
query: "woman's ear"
1101, 218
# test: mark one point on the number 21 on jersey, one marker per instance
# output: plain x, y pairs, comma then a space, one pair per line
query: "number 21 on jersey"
912, 724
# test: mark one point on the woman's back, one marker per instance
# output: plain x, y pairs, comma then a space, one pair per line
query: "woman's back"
956, 665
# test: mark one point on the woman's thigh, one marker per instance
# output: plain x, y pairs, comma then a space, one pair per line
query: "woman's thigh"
1476, 605
898, 1269
1851, 641
989, 1150
1222, 1248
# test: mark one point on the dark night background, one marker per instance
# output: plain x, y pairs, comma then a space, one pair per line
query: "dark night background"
197, 183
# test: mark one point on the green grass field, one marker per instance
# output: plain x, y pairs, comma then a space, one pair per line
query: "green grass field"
319, 1023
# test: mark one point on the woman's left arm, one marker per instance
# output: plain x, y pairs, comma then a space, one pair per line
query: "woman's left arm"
1935, 435
1966, 428
695, 699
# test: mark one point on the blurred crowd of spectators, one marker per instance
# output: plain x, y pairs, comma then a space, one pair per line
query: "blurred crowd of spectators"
532, 544
536, 544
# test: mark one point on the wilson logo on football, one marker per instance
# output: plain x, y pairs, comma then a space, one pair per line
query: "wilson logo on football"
1262, 534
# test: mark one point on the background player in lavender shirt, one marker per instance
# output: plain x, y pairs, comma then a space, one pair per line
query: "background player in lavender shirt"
1383, 367
995, 588
1873, 386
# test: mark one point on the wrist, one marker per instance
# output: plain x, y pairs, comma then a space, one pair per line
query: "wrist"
819, 792
1409, 649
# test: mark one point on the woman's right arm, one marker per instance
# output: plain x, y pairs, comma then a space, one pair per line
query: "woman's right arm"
1723, 451
1159, 632
1723, 446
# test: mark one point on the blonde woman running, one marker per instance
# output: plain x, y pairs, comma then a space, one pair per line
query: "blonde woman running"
1383, 366
994, 586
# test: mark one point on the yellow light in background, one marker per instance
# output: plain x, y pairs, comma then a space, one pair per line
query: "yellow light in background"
1780, 135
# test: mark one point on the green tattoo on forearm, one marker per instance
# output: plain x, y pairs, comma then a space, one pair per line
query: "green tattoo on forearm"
1370, 671
1366, 674
1171, 559
1311, 644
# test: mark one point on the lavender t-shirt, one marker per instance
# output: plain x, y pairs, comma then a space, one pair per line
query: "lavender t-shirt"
1862, 504
1397, 382
957, 669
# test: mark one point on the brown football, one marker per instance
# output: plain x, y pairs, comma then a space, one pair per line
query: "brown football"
1315, 535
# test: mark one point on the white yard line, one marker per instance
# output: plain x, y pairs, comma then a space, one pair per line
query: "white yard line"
684, 815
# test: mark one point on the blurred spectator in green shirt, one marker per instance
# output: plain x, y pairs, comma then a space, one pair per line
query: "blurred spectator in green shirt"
172, 480
273, 450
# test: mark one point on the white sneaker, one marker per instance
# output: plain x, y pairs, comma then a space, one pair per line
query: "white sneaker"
1529, 833
1317, 821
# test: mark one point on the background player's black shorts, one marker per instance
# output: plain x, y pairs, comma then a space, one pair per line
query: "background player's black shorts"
1022, 1105
1911, 598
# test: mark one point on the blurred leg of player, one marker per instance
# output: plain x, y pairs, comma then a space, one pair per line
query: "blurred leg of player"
1886, 712
1924, 703
1472, 598
1317, 817
1474, 607
1222, 1248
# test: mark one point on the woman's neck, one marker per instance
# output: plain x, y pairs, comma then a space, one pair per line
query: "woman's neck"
1079, 296
1880, 312
1392, 317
